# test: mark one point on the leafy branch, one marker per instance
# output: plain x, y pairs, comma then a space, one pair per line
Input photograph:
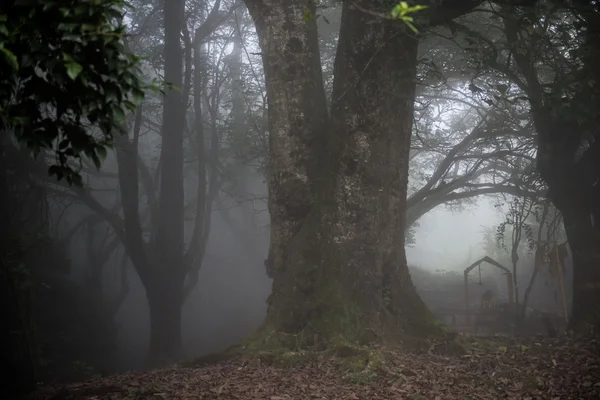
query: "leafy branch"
402, 11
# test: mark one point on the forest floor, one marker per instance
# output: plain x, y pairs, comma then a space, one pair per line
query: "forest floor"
493, 368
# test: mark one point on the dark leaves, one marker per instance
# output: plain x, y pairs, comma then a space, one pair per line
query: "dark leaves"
64, 70
494, 368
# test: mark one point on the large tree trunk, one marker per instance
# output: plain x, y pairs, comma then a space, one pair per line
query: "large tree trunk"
372, 111
298, 125
571, 193
165, 301
337, 188
584, 241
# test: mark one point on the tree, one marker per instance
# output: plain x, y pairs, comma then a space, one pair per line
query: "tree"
64, 69
337, 184
461, 149
519, 211
149, 202
547, 55
549, 235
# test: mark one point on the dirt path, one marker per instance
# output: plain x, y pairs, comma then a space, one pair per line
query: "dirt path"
493, 369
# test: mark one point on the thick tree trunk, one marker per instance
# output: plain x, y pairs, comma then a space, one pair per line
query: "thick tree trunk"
584, 241
571, 191
298, 125
337, 189
372, 110
165, 301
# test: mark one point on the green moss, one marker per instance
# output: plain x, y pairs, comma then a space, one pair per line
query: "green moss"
334, 313
341, 347
353, 365
366, 367
269, 339
275, 348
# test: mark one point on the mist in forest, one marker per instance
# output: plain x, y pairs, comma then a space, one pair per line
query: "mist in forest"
447, 240
462, 190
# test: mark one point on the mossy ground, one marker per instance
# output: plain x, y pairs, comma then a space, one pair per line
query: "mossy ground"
341, 330
359, 355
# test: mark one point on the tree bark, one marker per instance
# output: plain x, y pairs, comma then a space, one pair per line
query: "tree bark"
170, 215
373, 96
298, 125
584, 241
337, 186
165, 301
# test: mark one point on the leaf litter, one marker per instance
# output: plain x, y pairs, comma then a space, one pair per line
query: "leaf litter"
492, 368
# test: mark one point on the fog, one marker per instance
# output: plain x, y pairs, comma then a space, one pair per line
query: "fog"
229, 301
447, 240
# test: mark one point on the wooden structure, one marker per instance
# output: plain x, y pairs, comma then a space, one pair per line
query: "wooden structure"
509, 281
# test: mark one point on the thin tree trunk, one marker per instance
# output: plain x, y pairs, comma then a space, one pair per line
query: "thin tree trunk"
538, 260
165, 287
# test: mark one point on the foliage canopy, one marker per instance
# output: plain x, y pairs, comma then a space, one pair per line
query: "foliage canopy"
65, 70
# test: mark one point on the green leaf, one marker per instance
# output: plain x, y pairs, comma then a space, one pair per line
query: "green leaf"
118, 114
138, 95
104, 87
73, 69
411, 26
10, 57
130, 106
102, 153
401, 11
